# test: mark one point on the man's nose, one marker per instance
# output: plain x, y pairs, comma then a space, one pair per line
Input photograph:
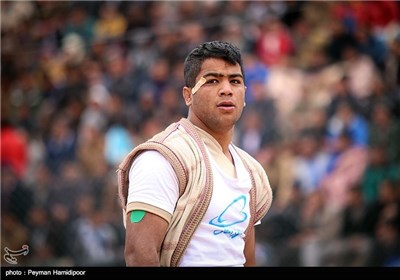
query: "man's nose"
225, 88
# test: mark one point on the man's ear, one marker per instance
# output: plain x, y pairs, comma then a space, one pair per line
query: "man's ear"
187, 95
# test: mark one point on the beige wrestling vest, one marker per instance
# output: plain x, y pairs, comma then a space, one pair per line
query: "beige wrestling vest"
181, 145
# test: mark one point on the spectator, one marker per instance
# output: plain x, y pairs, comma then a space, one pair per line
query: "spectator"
14, 149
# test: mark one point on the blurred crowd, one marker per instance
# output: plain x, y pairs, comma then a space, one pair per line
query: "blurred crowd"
84, 82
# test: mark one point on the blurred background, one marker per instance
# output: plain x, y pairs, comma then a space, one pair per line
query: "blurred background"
82, 83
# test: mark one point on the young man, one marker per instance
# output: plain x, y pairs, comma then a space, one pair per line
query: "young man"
190, 197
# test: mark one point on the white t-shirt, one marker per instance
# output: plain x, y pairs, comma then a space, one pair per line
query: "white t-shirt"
219, 239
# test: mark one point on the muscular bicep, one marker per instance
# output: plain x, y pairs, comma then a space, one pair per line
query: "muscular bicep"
144, 237
153, 190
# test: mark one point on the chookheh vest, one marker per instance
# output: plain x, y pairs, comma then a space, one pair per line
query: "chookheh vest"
181, 145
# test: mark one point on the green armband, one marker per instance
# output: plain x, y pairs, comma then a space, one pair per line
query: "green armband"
137, 216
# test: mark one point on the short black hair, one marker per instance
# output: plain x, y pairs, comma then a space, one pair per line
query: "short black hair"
213, 49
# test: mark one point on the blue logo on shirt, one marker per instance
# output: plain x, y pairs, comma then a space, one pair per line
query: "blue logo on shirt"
223, 221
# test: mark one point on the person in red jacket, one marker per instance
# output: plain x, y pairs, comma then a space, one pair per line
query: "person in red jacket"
14, 150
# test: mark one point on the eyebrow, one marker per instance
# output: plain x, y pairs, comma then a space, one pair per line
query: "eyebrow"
216, 74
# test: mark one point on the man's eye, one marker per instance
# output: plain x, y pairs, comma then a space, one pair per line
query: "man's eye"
213, 81
238, 82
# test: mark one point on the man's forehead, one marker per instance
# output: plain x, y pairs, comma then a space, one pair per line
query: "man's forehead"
220, 72
213, 65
